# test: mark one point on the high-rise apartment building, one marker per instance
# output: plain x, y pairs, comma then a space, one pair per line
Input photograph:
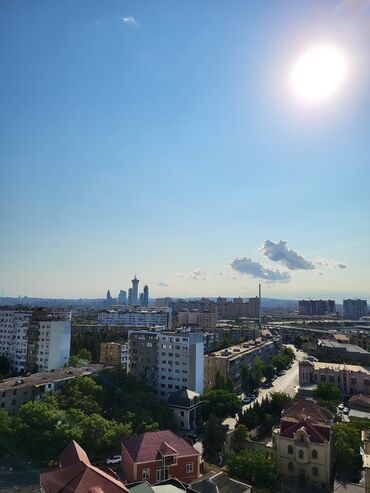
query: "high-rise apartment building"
144, 297
35, 340
195, 318
354, 309
316, 307
180, 361
142, 355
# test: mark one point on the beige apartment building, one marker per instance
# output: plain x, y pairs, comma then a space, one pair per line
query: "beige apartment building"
114, 353
302, 445
229, 361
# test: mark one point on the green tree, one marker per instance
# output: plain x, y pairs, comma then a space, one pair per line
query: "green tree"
289, 353
269, 372
6, 424
240, 435
328, 395
347, 443
255, 468
214, 438
73, 361
84, 354
220, 402
82, 393
224, 383
258, 368
42, 432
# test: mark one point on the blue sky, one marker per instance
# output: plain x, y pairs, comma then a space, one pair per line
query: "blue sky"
158, 137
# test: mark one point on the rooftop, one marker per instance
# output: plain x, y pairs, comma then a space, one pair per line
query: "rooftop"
320, 365
213, 482
351, 348
42, 378
246, 347
150, 446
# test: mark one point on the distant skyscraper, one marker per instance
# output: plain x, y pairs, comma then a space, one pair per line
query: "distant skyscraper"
354, 309
135, 291
109, 301
122, 298
129, 301
145, 296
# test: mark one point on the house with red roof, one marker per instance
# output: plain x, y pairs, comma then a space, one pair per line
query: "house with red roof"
302, 444
159, 455
77, 475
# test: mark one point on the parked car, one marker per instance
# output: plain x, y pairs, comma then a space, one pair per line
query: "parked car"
345, 410
246, 400
341, 406
115, 459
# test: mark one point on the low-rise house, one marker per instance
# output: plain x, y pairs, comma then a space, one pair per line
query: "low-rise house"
157, 456
302, 444
185, 405
359, 407
342, 352
76, 474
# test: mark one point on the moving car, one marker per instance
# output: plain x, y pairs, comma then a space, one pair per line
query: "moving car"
115, 459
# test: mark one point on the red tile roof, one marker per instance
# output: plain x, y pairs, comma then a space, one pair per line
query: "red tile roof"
307, 409
72, 454
148, 446
318, 432
80, 476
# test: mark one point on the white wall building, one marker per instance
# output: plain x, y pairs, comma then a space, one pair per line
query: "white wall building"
136, 317
35, 340
180, 361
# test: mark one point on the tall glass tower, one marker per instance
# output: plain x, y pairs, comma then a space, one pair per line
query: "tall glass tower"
135, 291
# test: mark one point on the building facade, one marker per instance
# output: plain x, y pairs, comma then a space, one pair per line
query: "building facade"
180, 361
316, 307
114, 353
351, 379
354, 309
159, 455
136, 317
185, 405
142, 355
229, 362
302, 445
341, 352
195, 318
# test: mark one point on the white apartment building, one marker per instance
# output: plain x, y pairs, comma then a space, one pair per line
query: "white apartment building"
14, 327
136, 317
180, 361
35, 340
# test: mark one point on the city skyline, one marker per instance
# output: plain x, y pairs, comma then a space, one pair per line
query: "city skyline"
166, 141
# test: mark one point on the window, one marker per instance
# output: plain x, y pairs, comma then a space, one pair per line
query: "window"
314, 454
301, 437
300, 454
189, 467
182, 413
145, 474
158, 474
290, 449
291, 466
315, 472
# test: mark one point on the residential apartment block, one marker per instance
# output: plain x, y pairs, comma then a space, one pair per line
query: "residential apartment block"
194, 318
114, 353
136, 316
230, 361
142, 355
354, 309
180, 361
35, 340
316, 307
16, 391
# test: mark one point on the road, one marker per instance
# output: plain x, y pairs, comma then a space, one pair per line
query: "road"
287, 383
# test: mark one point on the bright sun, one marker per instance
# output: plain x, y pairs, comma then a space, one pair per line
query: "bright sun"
318, 74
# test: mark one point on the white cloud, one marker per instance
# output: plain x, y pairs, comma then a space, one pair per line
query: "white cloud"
195, 275
244, 265
131, 21
279, 252
329, 264
163, 285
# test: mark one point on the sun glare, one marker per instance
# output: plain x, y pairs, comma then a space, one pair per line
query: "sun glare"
318, 74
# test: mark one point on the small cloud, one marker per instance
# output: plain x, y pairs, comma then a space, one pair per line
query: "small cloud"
279, 252
131, 21
195, 275
329, 264
163, 285
244, 265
